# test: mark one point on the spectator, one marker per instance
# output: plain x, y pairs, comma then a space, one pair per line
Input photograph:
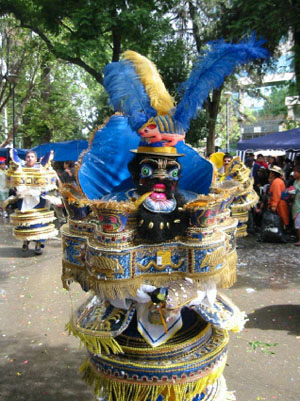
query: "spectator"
280, 161
250, 159
68, 175
272, 161
277, 186
296, 202
259, 164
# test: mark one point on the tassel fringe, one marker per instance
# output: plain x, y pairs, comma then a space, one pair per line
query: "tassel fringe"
112, 389
223, 278
93, 343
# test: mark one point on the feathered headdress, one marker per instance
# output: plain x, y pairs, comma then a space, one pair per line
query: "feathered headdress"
137, 90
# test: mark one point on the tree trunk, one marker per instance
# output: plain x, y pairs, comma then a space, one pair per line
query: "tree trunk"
116, 38
212, 109
45, 95
24, 102
296, 35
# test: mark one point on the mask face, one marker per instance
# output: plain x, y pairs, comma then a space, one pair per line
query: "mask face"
160, 215
159, 175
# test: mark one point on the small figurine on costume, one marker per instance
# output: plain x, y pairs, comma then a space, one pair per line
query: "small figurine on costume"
31, 182
153, 242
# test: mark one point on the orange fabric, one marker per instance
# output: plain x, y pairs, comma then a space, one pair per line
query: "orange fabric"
275, 200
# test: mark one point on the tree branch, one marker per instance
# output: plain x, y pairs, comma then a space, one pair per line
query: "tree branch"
73, 60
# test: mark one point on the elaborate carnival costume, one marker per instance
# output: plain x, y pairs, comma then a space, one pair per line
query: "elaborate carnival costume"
33, 219
152, 242
245, 196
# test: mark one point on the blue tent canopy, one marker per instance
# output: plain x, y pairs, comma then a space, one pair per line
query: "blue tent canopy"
4, 152
285, 140
63, 151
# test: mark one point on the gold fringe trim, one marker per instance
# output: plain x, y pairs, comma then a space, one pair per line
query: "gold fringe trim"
223, 278
93, 343
113, 389
122, 206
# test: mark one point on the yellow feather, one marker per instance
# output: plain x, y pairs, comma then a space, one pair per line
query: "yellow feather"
160, 98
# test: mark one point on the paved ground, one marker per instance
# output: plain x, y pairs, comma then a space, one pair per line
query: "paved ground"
39, 362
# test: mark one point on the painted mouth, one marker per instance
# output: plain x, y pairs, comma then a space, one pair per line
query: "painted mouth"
159, 192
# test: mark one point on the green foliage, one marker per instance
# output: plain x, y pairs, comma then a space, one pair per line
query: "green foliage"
262, 346
274, 105
198, 130
58, 117
170, 57
63, 99
92, 33
272, 20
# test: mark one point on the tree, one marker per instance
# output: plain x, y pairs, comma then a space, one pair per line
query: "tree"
196, 21
91, 33
61, 115
18, 65
274, 106
44, 97
88, 34
273, 20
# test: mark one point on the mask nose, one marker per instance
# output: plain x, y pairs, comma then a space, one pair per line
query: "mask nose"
160, 174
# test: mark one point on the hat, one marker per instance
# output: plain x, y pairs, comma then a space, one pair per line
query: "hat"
2, 159
277, 170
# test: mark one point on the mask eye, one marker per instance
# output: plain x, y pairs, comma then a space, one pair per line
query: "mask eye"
146, 171
174, 173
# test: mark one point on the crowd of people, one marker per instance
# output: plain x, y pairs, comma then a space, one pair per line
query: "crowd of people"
277, 182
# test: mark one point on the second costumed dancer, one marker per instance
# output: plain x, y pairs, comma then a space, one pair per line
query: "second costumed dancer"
31, 182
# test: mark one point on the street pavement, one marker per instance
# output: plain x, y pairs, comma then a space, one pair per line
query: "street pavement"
40, 362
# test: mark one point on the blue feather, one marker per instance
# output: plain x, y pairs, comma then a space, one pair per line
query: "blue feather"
209, 73
14, 157
127, 93
46, 158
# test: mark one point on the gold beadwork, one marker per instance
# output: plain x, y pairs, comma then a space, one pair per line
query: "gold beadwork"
151, 225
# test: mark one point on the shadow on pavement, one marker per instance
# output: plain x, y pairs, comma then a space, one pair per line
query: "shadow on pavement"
39, 372
16, 253
276, 317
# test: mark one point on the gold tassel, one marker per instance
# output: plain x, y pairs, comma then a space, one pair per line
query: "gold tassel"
223, 278
141, 199
93, 343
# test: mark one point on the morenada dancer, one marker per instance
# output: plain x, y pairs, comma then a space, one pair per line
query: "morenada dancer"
154, 242
32, 181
